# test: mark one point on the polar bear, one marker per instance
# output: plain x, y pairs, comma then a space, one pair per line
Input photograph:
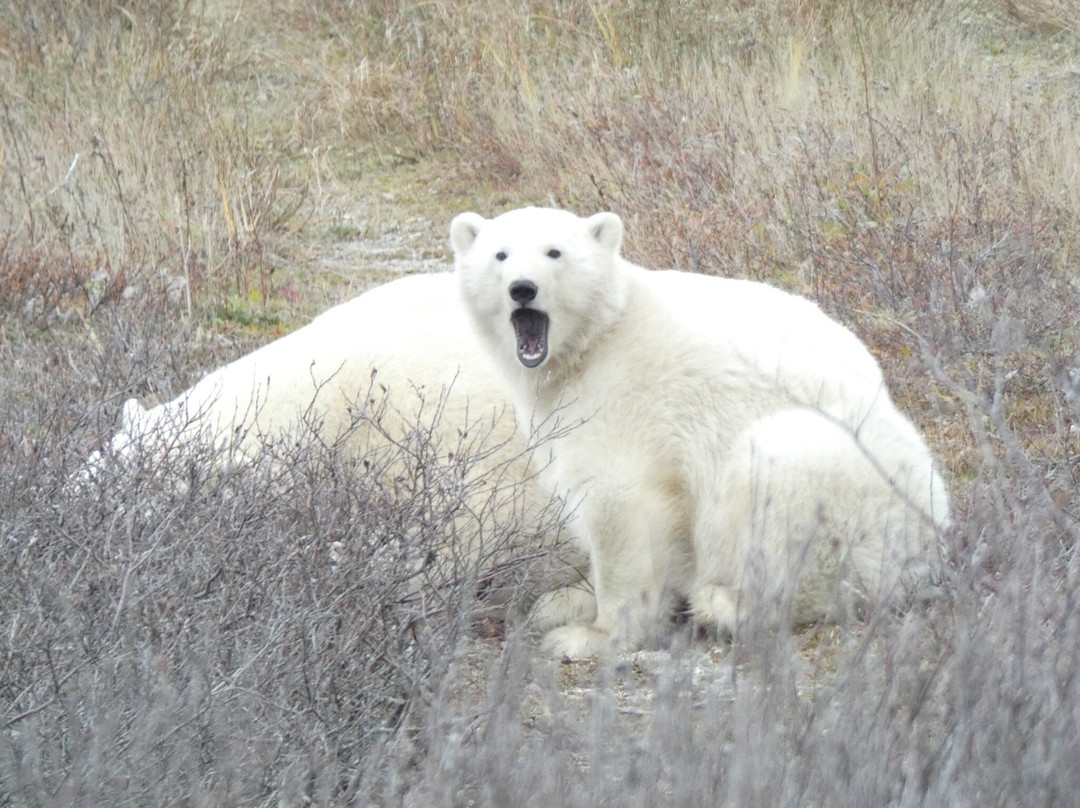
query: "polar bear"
392, 358
724, 444
393, 377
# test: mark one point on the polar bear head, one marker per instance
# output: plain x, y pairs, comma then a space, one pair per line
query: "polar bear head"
539, 283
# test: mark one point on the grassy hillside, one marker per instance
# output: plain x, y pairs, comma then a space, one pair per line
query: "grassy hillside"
181, 181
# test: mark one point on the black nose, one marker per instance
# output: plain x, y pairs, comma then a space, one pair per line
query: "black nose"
523, 291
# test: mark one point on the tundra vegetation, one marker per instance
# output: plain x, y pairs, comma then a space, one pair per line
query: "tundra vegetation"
181, 181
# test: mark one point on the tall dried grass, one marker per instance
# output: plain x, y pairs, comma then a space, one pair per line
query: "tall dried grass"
131, 162
1046, 15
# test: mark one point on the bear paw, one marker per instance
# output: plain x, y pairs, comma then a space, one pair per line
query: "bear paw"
568, 604
577, 642
715, 607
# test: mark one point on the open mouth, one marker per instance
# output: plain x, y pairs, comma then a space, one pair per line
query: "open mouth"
531, 328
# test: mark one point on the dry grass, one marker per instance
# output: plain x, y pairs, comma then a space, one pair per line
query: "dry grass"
174, 170
1047, 15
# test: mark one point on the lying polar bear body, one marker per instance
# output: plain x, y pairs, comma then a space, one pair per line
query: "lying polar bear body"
392, 378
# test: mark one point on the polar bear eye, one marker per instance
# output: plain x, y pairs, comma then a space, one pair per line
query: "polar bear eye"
500, 255
554, 253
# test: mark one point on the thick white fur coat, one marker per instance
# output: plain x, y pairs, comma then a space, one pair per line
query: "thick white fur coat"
723, 442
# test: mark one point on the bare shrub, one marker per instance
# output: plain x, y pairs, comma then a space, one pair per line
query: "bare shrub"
244, 636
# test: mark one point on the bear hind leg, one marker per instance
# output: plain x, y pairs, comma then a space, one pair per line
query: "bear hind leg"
766, 527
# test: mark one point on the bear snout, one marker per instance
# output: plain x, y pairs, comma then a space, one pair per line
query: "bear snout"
523, 291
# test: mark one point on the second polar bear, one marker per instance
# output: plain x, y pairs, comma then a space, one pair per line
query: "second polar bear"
392, 378
723, 442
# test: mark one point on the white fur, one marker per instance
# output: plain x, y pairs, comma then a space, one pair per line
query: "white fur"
728, 443
376, 376
401, 354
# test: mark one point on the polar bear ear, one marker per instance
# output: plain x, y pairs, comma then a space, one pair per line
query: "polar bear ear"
464, 230
607, 229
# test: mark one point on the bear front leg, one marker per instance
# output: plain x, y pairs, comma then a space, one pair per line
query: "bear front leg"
631, 548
